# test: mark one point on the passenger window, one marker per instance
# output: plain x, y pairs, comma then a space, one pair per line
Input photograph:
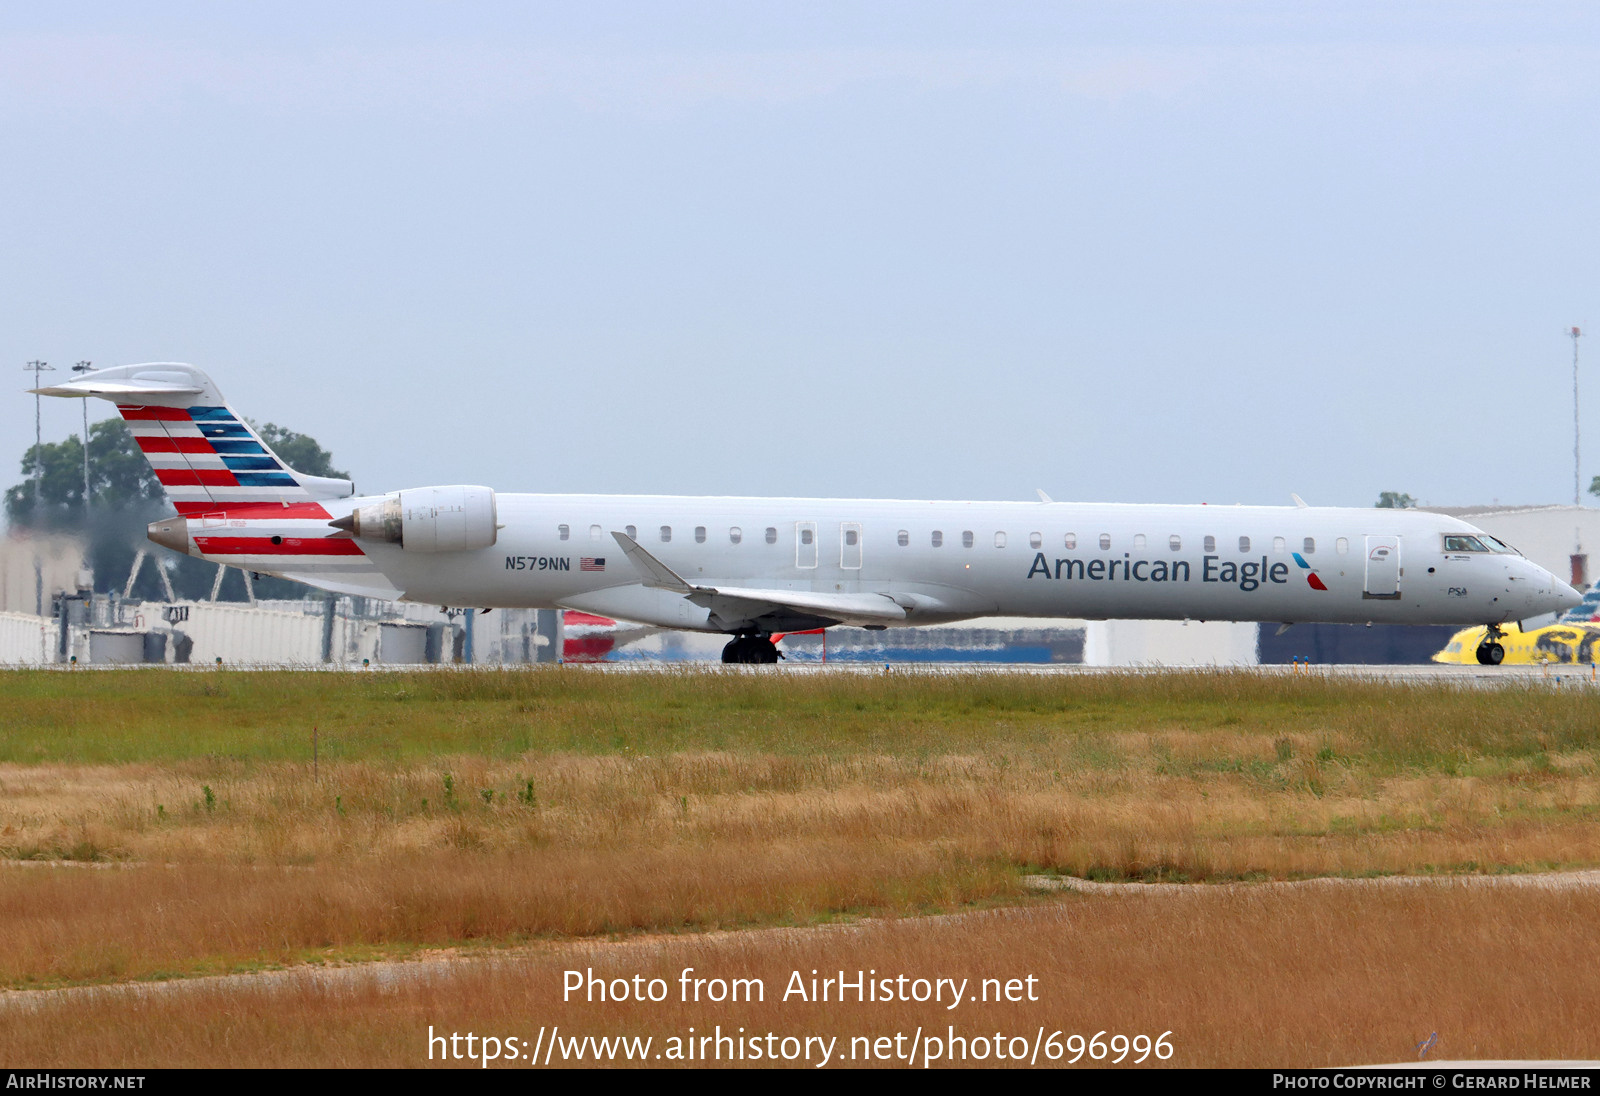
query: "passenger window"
902, 538
1035, 540
1244, 544
1211, 544
999, 540
1105, 541
632, 531
1175, 542
699, 534
1279, 546
938, 538
594, 532
966, 538
772, 534
666, 533
1310, 546
735, 535
1342, 546
851, 537
1138, 542
565, 531
1070, 540
806, 536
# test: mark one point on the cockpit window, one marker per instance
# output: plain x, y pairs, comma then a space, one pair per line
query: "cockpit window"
1463, 544
1497, 545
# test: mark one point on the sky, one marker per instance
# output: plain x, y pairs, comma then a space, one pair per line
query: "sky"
1141, 252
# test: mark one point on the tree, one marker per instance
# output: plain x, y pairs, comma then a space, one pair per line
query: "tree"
1594, 486
299, 451
119, 478
1395, 500
124, 497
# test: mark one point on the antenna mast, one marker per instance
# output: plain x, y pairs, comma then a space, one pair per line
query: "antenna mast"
1577, 495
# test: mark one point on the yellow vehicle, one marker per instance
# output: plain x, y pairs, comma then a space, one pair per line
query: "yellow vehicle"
1572, 639
1560, 642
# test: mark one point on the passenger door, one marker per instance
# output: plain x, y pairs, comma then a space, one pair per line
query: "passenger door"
1383, 569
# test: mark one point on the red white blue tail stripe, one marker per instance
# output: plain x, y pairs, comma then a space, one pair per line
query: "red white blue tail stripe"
207, 459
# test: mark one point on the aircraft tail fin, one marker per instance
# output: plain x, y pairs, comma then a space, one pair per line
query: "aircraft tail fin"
207, 457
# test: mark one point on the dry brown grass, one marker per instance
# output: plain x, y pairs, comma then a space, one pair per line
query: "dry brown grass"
378, 857
1315, 976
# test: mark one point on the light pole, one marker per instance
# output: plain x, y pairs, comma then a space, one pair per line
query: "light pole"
38, 434
84, 367
38, 479
1577, 497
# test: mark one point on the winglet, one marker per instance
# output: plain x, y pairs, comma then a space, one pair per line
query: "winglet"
655, 573
1298, 501
1042, 496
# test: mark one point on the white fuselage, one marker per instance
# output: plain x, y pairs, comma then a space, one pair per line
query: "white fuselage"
944, 561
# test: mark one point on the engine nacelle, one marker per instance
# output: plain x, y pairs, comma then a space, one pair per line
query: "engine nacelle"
429, 519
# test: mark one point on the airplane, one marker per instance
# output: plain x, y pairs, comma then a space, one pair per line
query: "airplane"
753, 567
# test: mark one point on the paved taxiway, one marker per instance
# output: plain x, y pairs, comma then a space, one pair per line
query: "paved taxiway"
1554, 675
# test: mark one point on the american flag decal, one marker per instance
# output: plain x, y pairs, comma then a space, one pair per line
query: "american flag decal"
589, 563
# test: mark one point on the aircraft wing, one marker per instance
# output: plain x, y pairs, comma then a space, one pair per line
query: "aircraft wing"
752, 603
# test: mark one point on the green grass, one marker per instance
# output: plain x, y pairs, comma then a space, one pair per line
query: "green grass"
145, 715
158, 716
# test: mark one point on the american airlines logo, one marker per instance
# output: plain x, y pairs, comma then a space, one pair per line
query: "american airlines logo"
1312, 579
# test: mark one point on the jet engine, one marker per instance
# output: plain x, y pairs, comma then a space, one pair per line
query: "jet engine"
428, 519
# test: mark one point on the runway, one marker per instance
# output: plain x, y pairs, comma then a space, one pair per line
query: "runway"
1553, 676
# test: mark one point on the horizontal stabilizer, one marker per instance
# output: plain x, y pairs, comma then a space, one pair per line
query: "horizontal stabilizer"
116, 390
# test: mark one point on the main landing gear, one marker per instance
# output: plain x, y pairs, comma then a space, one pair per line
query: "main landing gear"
1490, 652
753, 650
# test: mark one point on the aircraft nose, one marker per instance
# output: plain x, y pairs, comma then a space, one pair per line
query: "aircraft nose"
1563, 595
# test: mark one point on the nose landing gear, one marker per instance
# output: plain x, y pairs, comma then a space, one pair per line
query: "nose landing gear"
752, 650
1490, 652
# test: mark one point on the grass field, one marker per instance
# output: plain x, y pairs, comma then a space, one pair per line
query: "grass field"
231, 821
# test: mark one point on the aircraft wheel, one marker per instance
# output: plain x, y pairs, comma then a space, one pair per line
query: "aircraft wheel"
751, 651
1491, 654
